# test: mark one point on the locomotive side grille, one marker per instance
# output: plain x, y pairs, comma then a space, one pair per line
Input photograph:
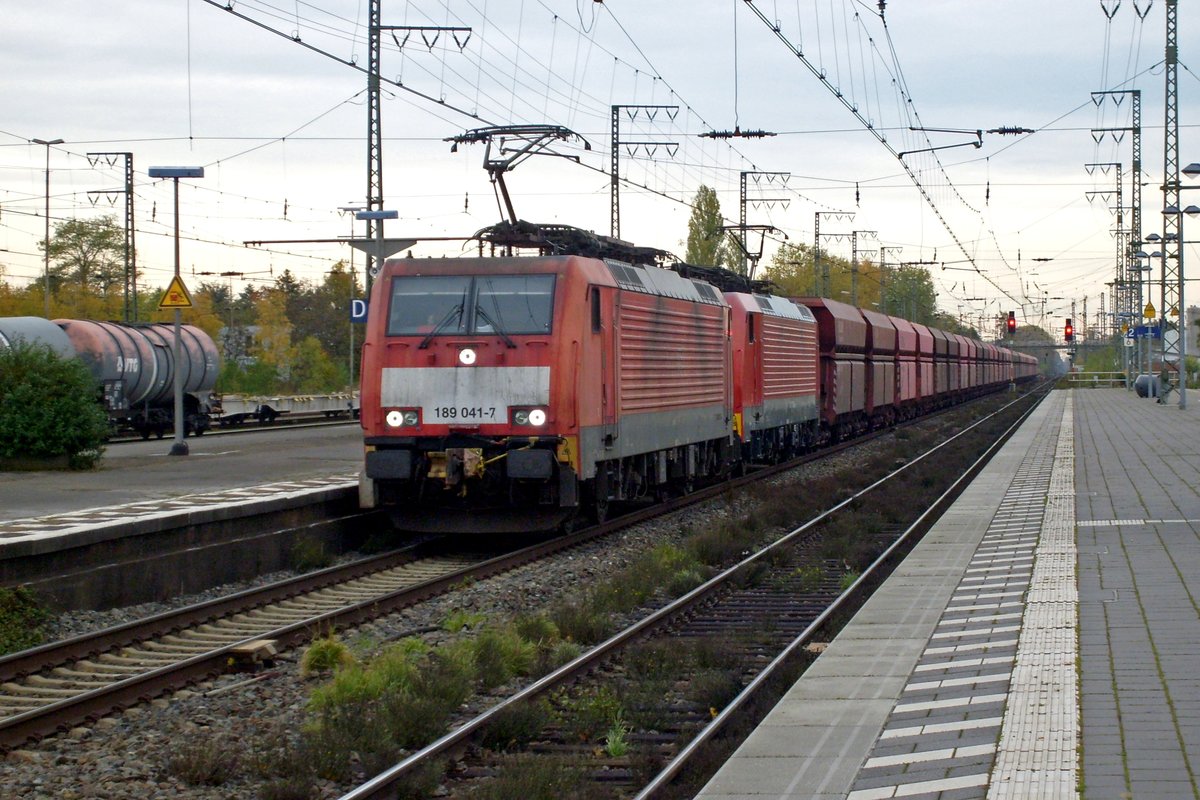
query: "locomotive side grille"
672, 356
788, 358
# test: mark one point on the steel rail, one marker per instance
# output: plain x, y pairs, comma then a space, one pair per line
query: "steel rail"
381, 786
929, 515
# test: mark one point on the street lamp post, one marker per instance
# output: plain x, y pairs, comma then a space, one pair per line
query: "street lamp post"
1192, 171
179, 446
46, 244
352, 210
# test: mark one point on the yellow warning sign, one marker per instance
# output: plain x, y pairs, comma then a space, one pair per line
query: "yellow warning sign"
1149, 311
176, 295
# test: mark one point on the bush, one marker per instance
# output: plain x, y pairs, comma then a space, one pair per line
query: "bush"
400, 700
49, 407
591, 714
500, 654
309, 554
532, 777
21, 620
325, 655
517, 725
579, 623
713, 688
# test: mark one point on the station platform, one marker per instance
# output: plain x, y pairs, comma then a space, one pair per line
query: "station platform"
1042, 641
139, 488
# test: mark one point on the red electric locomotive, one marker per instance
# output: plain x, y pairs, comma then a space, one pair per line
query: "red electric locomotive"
537, 385
776, 393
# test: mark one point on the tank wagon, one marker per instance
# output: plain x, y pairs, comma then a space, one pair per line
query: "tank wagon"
134, 366
515, 392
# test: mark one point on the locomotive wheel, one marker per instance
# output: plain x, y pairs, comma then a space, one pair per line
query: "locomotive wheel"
158, 433
145, 434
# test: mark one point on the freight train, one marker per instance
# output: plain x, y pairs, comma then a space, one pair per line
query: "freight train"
134, 367
514, 392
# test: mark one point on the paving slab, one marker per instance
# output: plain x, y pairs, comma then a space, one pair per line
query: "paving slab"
1049, 625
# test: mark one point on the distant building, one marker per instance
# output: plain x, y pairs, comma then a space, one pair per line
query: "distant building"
235, 342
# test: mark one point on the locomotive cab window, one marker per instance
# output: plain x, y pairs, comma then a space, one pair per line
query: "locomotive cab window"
427, 303
438, 305
513, 303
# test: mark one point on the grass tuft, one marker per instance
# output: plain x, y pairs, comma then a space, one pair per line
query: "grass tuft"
206, 762
325, 655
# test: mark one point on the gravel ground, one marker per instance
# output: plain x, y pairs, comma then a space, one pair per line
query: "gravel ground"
125, 756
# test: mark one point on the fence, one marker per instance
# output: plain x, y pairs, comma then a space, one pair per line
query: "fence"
1096, 380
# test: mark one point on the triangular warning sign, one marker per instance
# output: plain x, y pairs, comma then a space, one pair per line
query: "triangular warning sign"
176, 295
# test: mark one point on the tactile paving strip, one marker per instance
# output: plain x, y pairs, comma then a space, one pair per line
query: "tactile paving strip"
1038, 750
943, 737
30, 528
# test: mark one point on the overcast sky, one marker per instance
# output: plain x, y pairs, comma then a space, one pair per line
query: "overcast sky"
280, 127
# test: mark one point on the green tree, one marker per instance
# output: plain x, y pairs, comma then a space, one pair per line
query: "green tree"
313, 371
707, 244
49, 406
908, 292
88, 258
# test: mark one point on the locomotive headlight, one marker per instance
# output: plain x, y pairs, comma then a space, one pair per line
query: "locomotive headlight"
397, 418
466, 356
523, 417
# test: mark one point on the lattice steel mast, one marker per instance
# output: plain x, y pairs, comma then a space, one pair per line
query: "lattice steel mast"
130, 251
1174, 348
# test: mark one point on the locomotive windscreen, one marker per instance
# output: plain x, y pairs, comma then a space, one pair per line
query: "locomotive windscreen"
471, 304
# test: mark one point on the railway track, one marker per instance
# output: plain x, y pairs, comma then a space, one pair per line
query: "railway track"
58, 686
51, 688
763, 615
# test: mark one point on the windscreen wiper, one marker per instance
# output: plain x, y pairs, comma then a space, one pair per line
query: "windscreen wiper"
496, 328
451, 314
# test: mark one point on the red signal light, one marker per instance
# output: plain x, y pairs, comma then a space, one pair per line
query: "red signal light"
1012, 322
1069, 332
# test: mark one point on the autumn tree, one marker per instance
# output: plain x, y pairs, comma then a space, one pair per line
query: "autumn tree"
273, 346
324, 312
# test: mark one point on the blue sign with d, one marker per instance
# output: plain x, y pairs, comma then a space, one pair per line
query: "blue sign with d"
358, 310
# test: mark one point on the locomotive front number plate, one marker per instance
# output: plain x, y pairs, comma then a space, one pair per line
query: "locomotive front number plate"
460, 413
460, 394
